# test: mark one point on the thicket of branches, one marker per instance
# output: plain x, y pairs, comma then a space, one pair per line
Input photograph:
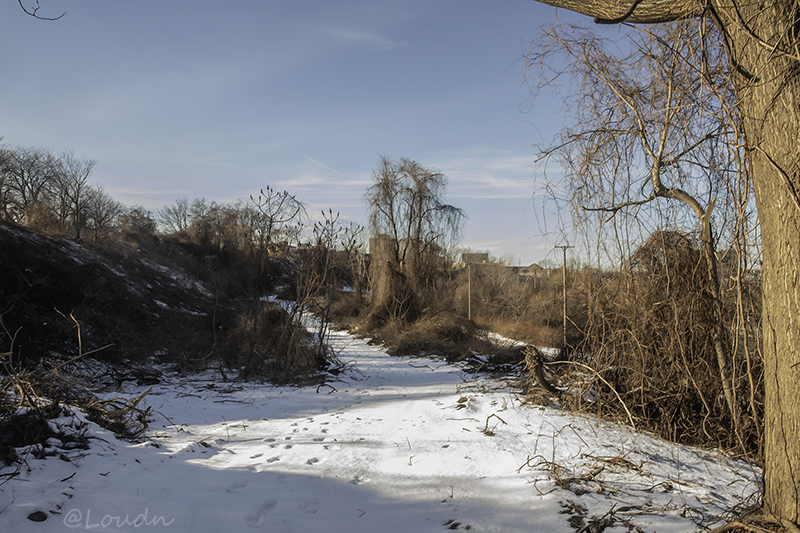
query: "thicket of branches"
650, 332
658, 185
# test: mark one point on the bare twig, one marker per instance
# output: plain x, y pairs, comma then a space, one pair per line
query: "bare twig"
33, 12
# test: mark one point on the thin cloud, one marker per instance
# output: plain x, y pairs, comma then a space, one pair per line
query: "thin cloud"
323, 165
365, 37
140, 192
483, 173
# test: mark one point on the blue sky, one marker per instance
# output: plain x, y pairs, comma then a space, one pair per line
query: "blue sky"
219, 99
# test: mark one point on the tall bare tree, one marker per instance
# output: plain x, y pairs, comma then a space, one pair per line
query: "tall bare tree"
408, 215
27, 177
72, 179
278, 212
406, 203
176, 217
763, 42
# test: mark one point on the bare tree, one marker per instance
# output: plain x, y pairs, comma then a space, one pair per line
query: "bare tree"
650, 126
764, 54
278, 209
102, 212
408, 216
72, 183
406, 203
278, 212
138, 221
27, 177
176, 217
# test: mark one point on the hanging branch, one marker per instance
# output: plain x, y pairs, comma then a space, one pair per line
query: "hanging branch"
33, 12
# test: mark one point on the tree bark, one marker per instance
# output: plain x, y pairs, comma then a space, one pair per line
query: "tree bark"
762, 38
644, 11
768, 87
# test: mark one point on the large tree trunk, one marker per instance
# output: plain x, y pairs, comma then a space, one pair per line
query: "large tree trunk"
768, 87
765, 54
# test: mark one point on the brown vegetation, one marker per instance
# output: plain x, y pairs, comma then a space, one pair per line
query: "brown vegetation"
639, 346
650, 334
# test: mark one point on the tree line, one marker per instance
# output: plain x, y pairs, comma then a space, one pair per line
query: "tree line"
52, 192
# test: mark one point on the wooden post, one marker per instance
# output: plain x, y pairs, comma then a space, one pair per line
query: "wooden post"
564, 275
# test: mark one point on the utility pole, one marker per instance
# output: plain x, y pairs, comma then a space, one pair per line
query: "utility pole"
564, 275
469, 291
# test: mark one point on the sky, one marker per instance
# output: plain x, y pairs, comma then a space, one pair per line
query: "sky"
219, 99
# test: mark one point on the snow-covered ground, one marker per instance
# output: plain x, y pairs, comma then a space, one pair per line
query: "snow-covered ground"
396, 445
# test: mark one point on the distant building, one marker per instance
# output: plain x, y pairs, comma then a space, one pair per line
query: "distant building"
533, 271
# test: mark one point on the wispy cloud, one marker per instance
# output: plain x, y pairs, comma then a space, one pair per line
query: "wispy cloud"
128, 190
323, 165
365, 37
488, 174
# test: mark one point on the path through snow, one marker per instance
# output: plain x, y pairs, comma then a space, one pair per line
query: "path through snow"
397, 445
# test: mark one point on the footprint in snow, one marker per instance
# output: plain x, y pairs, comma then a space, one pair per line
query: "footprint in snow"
235, 489
256, 456
258, 517
452, 524
273, 459
312, 461
311, 506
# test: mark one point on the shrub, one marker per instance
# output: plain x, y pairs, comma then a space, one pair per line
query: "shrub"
266, 342
650, 334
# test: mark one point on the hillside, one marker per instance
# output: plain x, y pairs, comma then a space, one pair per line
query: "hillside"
129, 302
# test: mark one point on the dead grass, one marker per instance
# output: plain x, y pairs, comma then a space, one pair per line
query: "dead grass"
451, 336
31, 397
522, 330
649, 340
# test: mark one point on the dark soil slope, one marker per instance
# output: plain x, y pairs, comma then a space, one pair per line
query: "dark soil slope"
121, 296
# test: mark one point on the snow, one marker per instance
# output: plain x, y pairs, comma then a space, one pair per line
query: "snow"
395, 445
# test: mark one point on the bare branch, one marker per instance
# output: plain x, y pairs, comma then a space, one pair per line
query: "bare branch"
623, 18
33, 12
616, 208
